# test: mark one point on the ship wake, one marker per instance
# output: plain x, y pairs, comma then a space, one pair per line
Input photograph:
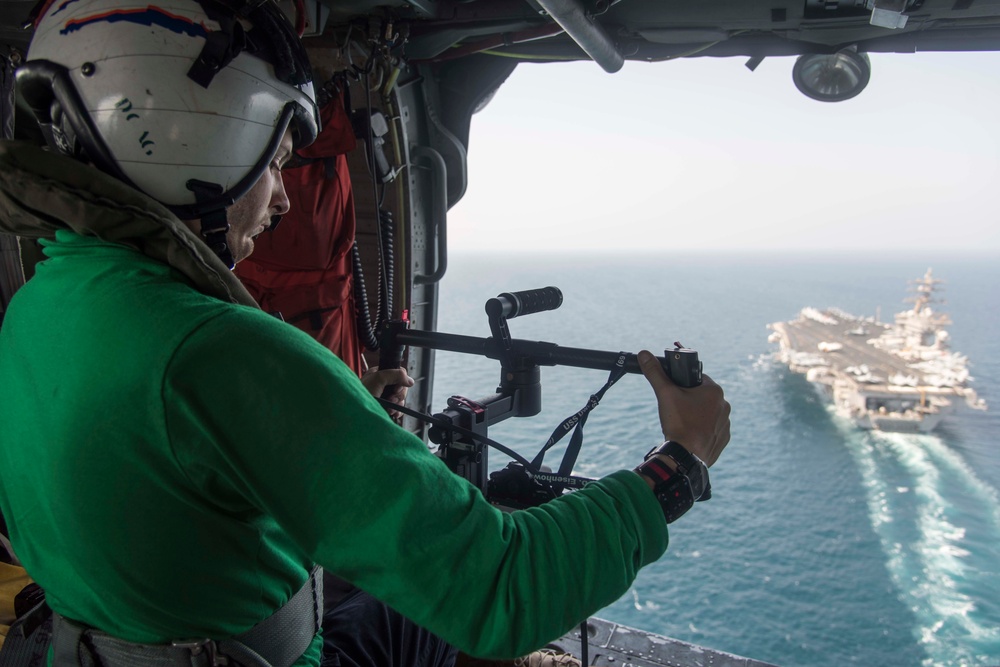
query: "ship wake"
929, 509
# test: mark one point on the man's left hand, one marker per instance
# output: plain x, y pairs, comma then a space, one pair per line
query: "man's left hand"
375, 381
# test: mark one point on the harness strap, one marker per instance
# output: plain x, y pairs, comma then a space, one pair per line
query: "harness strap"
27, 641
285, 635
277, 641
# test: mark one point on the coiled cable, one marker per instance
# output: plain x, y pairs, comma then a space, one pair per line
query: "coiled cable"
365, 328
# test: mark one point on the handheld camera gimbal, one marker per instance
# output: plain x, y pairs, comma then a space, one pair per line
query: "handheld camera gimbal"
461, 429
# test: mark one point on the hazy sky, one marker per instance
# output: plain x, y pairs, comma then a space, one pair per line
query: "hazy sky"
705, 154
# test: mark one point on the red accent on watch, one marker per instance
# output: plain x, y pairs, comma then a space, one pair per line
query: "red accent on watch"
656, 469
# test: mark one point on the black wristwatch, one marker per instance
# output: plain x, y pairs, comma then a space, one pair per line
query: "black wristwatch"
687, 464
676, 490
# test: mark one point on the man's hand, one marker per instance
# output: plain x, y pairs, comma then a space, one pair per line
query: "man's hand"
698, 418
375, 381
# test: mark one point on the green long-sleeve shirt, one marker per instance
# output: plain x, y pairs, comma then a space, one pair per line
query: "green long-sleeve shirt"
172, 464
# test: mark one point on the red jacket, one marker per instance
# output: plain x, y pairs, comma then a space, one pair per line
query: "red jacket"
303, 269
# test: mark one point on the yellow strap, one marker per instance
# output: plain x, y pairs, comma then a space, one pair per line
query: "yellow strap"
12, 580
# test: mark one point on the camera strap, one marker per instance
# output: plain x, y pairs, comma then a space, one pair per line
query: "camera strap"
578, 420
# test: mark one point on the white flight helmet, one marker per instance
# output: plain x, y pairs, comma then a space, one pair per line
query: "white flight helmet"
186, 100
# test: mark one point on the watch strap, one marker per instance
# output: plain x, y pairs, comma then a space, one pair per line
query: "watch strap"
684, 459
657, 470
672, 489
688, 465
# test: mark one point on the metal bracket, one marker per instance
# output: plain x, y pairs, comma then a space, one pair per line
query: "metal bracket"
888, 13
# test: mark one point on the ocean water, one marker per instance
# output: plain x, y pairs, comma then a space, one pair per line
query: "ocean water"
823, 545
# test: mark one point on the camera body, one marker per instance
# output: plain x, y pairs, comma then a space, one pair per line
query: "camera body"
682, 366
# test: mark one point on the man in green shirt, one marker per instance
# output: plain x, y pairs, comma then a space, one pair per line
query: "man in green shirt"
174, 461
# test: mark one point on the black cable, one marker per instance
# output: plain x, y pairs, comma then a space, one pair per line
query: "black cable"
441, 423
384, 229
362, 315
366, 329
370, 150
385, 293
384, 233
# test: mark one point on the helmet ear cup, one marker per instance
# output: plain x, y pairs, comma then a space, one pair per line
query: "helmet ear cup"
59, 133
46, 88
39, 96
62, 133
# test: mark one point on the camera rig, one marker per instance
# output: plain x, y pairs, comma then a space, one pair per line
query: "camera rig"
461, 429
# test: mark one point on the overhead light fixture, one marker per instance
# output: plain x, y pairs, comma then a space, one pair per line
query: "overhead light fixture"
833, 77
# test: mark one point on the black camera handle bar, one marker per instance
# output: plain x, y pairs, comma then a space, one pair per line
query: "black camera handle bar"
460, 430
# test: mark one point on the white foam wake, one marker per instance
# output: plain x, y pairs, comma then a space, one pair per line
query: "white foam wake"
922, 534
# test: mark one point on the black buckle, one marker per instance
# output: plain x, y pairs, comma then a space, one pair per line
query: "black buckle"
204, 647
214, 223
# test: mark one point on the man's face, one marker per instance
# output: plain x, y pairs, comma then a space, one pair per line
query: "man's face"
251, 214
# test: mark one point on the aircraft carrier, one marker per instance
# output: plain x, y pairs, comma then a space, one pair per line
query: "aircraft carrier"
891, 377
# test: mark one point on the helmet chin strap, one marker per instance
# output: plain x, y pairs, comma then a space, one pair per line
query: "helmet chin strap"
214, 226
214, 223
